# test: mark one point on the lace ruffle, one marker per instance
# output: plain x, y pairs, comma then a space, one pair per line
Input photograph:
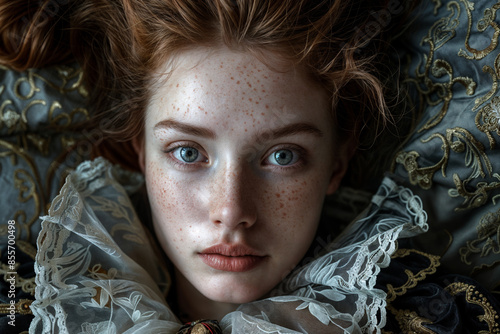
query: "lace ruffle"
93, 273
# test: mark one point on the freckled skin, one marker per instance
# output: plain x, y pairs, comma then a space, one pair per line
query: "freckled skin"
237, 194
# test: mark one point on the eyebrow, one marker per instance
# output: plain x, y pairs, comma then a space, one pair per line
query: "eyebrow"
197, 131
293, 129
287, 130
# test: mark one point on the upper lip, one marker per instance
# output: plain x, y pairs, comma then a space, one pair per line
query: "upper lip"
231, 250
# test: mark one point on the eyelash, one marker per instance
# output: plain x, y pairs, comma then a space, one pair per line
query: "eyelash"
177, 163
184, 165
302, 157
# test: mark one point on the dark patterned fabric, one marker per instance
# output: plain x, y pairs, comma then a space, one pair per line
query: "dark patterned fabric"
423, 298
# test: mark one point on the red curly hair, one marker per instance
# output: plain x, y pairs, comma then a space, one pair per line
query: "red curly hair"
121, 43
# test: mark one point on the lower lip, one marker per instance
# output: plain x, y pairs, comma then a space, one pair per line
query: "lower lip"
232, 263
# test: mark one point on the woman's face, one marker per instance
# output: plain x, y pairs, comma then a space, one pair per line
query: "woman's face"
238, 159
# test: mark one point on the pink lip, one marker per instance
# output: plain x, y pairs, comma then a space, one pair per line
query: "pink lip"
235, 258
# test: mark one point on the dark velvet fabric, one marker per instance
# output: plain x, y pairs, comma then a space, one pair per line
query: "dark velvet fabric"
435, 301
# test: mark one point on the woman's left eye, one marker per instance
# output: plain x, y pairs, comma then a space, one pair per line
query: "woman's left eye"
283, 157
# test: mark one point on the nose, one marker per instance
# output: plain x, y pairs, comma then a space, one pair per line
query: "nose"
232, 198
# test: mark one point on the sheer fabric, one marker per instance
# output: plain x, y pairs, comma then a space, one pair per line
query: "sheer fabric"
97, 271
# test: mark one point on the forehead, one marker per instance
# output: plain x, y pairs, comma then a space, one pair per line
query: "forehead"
202, 82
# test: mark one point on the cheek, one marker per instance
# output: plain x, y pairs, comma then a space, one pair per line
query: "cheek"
161, 190
294, 209
169, 207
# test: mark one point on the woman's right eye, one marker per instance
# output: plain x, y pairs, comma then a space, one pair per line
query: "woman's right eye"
184, 154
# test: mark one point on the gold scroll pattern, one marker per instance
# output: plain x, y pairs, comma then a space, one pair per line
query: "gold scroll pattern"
466, 151
33, 158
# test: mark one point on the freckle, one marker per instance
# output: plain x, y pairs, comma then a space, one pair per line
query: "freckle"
249, 84
232, 78
263, 91
238, 82
282, 205
267, 107
177, 85
250, 99
256, 102
278, 195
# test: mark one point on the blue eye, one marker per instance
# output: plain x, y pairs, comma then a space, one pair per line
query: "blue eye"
189, 154
283, 157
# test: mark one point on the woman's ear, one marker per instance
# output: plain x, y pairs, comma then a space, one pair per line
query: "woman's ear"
340, 165
138, 145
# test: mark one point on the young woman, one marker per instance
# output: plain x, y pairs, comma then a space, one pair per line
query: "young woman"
243, 115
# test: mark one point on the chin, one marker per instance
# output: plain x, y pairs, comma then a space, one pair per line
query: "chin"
235, 292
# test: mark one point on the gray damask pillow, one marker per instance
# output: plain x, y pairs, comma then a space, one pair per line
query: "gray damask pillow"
39, 109
453, 158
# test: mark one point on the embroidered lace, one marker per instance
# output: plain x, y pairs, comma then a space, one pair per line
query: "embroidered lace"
97, 272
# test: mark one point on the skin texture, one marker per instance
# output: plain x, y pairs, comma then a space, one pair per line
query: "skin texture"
236, 192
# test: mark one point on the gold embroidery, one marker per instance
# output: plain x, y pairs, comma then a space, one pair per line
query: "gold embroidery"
25, 183
484, 266
488, 119
437, 5
458, 140
413, 279
487, 20
70, 79
436, 93
485, 243
463, 156
494, 73
17, 149
422, 176
410, 322
473, 296
462, 141
21, 307
64, 119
